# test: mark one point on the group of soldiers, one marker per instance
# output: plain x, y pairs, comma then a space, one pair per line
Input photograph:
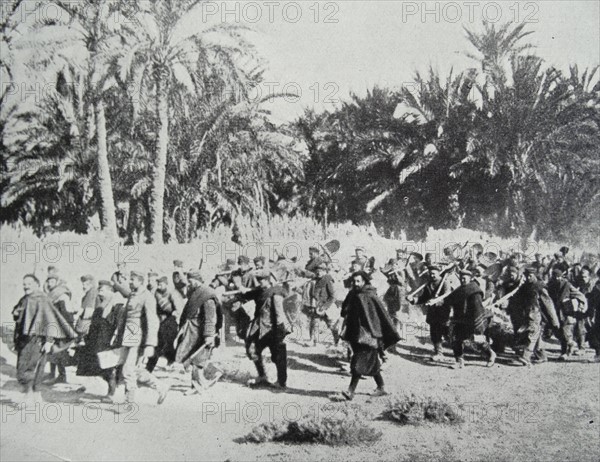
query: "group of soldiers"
125, 324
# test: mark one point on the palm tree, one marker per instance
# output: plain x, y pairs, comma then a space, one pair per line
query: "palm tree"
88, 39
51, 166
164, 64
534, 127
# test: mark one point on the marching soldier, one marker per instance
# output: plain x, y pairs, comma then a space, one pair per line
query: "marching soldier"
60, 296
568, 302
38, 325
200, 322
470, 319
438, 312
395, 296
106, 319
325, 309
367, 264
268, 329
140, 338
167, 330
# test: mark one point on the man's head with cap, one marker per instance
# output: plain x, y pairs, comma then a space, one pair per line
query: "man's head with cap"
52, 280
263, 277
105, 288
465, 276
244, 262
359, 251
512, 273
259, 262
194, 278
321, 269
355, 266
558, 274
87, 281
530, 273
178, 264
136, 280
434, 272
360, 279
163, 283
313, 251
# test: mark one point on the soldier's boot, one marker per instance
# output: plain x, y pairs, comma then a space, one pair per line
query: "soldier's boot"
437, 352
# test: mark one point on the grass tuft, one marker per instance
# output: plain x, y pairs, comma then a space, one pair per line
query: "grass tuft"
343, 426
415, 410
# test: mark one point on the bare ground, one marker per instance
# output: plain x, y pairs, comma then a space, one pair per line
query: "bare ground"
548, 412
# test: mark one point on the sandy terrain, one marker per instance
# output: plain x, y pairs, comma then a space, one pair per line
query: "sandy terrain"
549, 412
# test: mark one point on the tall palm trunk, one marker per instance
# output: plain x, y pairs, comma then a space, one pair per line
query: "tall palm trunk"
109, 220
160, 165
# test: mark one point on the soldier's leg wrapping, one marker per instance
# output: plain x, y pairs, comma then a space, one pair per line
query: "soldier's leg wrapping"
566, 340
254, 351
331, 325
279, 357
313, 327
458, 340
129, 369
580, 332
436, 332
539, 346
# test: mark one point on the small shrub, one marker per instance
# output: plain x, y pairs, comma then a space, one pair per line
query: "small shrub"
414, 410
345, 426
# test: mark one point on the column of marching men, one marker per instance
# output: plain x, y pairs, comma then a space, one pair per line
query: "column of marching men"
124, 324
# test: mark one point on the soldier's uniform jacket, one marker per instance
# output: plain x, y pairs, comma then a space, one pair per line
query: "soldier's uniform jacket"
241, 279
311, 267
201, 318
269, 314
436, 314
366, 263
324, 294
140, 320
562, 294
165, 304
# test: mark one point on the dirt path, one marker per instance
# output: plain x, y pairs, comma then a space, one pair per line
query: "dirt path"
549, 412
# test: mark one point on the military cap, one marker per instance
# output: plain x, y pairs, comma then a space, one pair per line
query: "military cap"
360, 247
434, 267
105, 283
52, 275
137, 274
465, 272
259, 259
557, 272
163, 279
322, 266
195, 274
243, 259
152, 274
313, 249
87, 277
177, 263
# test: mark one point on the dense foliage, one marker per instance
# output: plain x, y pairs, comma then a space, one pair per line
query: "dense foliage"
154, 131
